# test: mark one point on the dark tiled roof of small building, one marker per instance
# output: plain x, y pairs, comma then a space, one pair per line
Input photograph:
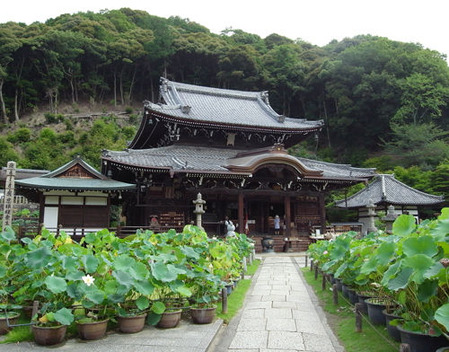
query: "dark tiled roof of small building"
74, 184
55, 180
184, 158
224, 106
385, 189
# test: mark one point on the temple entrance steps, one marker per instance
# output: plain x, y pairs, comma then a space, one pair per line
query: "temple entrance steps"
293, 244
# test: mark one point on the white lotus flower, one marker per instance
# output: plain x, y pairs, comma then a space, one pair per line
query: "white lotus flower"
88, 280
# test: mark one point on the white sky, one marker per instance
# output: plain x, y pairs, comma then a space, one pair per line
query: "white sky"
315, 21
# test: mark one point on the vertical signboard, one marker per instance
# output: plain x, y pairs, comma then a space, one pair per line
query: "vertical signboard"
9, 194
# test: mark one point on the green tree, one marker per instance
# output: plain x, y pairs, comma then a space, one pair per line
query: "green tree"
422, 99
10, 42
439, 179
7, 152
239, 68
415, 177
285, 73
421, 144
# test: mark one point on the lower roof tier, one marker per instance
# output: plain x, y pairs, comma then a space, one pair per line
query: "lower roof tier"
227, 162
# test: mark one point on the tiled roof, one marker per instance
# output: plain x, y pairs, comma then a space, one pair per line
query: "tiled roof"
338, 170
97, 181
386, 189
74, 184
183, 158
224, 106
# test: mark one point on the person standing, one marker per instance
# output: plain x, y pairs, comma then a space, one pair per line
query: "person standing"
277, 225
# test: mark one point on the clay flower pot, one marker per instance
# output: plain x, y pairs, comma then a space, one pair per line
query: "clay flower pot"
420, 342
203, 315
392, 330
170, 319
13, 317
131, 324
49, 335
93, 330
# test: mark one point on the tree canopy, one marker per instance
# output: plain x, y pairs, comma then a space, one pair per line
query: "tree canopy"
385, 103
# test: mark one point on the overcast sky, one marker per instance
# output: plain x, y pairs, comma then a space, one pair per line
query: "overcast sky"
315, 21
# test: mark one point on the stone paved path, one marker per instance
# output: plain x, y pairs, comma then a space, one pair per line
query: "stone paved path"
281, 313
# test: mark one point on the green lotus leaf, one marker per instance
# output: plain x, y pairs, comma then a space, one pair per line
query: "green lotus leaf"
369, 266
123, 278
69, 263
164, 273
442, 315
90, 237
184, 291
190, 252
341, 269
385, 252
139, 271
144, 287
124, 262
142, 302
158, 307
420, 245
391, 273
441, 230
56, 284
435, 271
404, 225
420, 263
2, 271
153, 318
90, 263
401, 280
94, 295
64, 316
39, 258
427, 290
111, 286
8, 234
444, 214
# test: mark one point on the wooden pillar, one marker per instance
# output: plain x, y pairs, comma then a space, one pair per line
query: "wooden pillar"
241, 228
322, 213
288, 216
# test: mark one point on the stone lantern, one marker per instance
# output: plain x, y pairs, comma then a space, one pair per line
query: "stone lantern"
371, 216
389, 219
199, 210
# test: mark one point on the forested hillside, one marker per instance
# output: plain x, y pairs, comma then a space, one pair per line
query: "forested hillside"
385, 103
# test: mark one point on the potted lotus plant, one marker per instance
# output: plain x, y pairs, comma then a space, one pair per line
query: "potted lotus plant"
206, 287
131, 296
170, 269
55, 314
419, 279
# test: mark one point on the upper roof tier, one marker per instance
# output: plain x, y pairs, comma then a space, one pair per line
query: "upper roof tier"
230, 111
385, 189
232, 107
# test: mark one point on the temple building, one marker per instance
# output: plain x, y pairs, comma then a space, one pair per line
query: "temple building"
75, 197
231, 147
384, 191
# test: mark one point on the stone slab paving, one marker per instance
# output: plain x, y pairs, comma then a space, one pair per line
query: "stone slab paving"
186, 337
281, 314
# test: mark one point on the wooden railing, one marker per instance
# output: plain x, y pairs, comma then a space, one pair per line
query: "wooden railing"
78, 232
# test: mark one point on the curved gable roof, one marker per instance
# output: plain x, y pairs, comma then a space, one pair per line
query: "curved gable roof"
224, 106
249, 162
76, 175
385, 189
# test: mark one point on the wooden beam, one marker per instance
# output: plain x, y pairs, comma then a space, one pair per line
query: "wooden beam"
241, 228
288, 215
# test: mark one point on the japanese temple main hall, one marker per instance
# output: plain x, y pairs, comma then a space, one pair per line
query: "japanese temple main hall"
231, 147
